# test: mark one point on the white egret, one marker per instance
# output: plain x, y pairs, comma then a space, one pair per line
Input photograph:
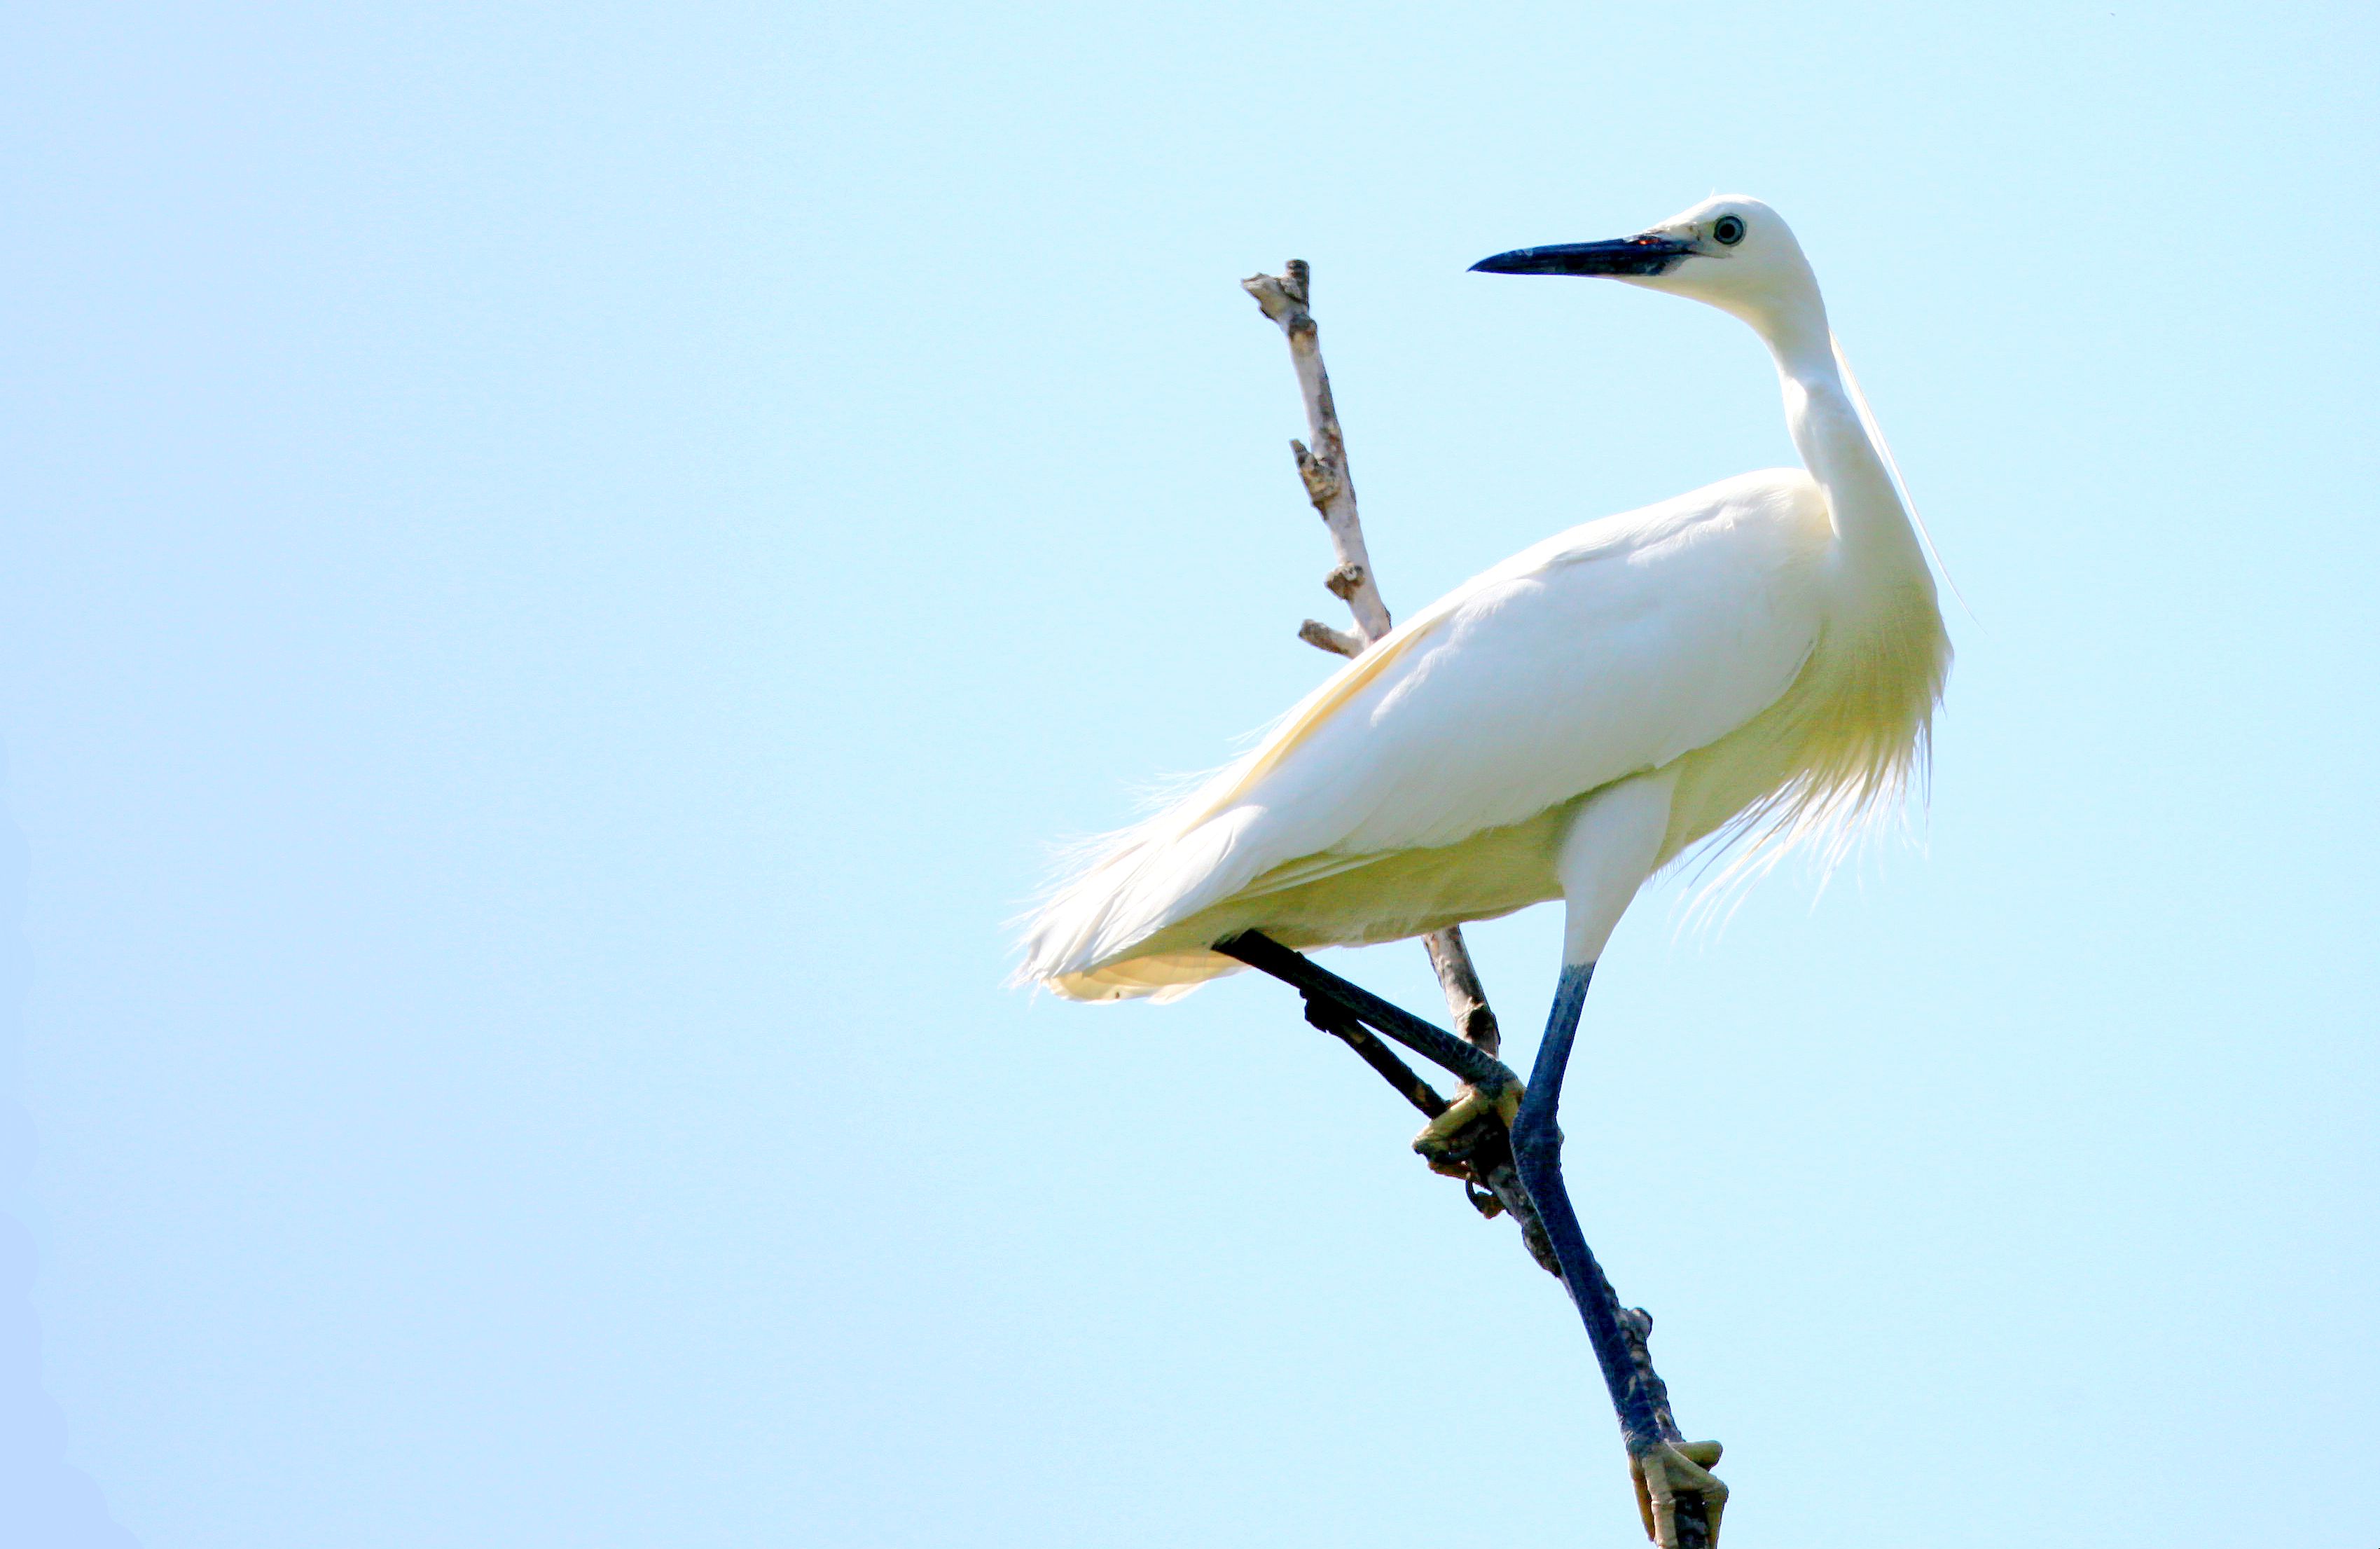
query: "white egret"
1754, 663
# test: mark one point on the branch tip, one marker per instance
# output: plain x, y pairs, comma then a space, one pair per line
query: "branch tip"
1282, 298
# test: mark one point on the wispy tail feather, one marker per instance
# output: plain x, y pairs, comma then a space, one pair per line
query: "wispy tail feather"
1079, 944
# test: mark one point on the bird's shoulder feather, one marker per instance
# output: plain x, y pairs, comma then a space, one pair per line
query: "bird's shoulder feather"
1603, 651
1613, 647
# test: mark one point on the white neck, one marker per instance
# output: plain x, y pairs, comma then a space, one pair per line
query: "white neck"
1872, 526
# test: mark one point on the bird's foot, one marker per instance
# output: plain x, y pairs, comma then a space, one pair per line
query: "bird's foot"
1437, 1144
1661, 1472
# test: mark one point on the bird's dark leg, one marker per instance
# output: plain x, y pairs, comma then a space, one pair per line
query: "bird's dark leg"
1681, 1499
1433, 1043
1536, 1148
1482, 1155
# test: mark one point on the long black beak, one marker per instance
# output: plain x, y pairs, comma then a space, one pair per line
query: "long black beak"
1629, 255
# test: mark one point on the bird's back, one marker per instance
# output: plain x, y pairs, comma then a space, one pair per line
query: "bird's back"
1411, 785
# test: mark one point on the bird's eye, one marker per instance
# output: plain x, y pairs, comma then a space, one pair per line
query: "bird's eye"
1728, 229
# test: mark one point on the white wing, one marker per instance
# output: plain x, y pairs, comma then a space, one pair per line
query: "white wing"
1609, 650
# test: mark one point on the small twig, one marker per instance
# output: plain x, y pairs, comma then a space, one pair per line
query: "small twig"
1315, 632
1323, 465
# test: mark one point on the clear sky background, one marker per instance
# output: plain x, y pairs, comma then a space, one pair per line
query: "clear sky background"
565, 566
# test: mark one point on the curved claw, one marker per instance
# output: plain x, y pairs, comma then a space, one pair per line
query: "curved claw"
1661, 1471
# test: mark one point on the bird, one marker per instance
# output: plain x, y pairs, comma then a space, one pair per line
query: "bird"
1743, 669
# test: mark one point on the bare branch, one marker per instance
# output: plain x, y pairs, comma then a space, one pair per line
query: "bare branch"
1465, 997
1285, 297
1481, 1153
1693, 1523
1324, 468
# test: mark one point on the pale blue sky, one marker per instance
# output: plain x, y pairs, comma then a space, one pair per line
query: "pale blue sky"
565, 566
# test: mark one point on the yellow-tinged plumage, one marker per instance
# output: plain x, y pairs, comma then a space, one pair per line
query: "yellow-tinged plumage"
1768, 649
1317, 708
1754, 666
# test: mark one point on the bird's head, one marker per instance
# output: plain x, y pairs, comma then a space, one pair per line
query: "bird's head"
1734, 252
